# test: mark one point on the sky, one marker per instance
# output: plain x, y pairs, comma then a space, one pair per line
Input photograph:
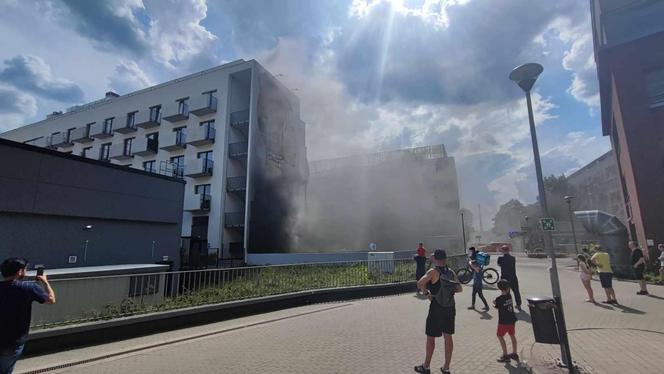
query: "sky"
371, 75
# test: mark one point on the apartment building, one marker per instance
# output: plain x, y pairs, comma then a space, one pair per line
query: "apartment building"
628, 36
233, 133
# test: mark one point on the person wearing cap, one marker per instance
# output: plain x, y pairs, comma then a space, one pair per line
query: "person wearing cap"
507, 264
16, 297
439, 284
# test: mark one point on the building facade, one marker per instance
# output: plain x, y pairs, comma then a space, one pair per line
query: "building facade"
393, 199
596, 186
66, 211
233, 133
628, 37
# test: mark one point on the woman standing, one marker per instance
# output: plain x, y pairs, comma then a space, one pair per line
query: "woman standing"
586, 276
420, 260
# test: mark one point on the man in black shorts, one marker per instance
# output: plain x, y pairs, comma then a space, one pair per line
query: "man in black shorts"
440, 320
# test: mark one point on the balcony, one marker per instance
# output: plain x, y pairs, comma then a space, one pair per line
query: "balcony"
240, 121
101, 131
118, 152
234, 220
43, 142
145, 146
203, 105
61, 140
197, 203
174, 141
81, 135
147, 119
200, 167
176, 112
236, 184
238, 150
130, 125
201, 135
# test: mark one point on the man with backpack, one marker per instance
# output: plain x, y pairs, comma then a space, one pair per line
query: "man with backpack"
439, 284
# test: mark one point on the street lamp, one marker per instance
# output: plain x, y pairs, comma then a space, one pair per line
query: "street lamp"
571, 220
463, 231
525, 76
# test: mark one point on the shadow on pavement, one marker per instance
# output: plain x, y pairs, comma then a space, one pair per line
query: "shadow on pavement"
518, 369
603, 306
626, 309
484, 314
655, 297
523, 316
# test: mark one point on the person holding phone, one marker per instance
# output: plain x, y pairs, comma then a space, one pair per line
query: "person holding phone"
16, 297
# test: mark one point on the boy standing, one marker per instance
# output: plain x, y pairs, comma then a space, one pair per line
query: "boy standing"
506, 320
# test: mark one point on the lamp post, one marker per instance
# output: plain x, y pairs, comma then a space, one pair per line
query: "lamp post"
571, 220
463, 231
525, 76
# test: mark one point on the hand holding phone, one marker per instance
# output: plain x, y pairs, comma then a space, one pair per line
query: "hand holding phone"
40, 270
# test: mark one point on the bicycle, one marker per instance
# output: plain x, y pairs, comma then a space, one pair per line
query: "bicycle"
489, 275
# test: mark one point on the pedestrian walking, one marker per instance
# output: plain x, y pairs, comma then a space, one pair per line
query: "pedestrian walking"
602, 261
477, 278
506, 321
16, 297
586, 276
440, 283
661, 263
638, 262
507, 264
420, 261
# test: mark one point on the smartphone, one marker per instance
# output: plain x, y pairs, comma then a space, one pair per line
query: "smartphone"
40, 270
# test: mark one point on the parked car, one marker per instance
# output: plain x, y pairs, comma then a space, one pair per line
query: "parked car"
494, 247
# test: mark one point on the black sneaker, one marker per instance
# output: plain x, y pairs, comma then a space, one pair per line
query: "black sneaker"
642, 293
503, 358
513, 356
422, 369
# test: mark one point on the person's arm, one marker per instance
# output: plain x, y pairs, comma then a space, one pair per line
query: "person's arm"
474, 266
422, 283
47, 287
457, 285
640, 261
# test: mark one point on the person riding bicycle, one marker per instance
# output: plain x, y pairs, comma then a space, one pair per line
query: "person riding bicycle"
477, 269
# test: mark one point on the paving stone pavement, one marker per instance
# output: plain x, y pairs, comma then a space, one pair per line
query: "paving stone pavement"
386, 335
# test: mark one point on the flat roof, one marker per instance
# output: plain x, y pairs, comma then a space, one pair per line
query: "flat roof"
92, 271
54, 153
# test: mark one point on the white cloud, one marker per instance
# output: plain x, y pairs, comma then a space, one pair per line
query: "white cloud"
32, 74
128, 77
15, 107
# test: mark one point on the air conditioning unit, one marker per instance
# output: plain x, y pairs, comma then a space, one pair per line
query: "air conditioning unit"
381, 262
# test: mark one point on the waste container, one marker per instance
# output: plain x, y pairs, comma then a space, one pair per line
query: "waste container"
542, 315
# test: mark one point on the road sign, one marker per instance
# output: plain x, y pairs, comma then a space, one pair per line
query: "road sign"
548, 224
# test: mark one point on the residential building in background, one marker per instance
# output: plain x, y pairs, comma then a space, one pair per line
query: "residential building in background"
393, 199
66, 211
628, 37
596, 186
233, 133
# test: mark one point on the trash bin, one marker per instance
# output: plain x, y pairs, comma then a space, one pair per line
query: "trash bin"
543, 319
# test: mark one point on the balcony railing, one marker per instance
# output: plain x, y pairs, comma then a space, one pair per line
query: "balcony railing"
145, 146
200, 167
201, 135
174, 140
238, 150
130, 125
197, 203
61, 140
176, 112
147, 119
234, 220
81, 135
236, 184
101, 131
203, 105
118, 152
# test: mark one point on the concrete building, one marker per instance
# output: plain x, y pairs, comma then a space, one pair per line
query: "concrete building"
394, 199
233, 133
628, 37
66, 211
596, 186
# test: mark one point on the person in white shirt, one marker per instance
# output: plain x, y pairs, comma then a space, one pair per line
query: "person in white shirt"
661, 263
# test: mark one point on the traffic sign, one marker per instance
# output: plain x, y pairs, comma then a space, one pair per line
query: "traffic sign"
548, 224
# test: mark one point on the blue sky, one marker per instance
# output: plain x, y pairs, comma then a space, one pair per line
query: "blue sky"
371, 74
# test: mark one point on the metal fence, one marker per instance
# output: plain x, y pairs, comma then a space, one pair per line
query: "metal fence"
109, 297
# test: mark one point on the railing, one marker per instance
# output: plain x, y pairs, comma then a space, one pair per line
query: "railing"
236, 183
108, 297
234, 219
241, 116
238, 149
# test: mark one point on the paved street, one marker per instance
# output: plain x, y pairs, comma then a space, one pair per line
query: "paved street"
386, 335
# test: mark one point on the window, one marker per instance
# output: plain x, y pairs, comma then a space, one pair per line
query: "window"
183, 108
87, 129
103, 151
205, 155
208, 125
131, 120
180, 135
85, 151
178, 165
202, 189
211, 98
69, 132
108, 125
655, 87
155, 113
127, 146
149, 166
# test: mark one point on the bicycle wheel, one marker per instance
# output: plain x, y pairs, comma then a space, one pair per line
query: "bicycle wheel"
490, 276
464, 276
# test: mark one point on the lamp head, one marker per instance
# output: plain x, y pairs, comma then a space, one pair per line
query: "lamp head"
568, 198
525, 75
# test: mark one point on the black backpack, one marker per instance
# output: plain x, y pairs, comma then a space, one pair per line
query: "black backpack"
445, 295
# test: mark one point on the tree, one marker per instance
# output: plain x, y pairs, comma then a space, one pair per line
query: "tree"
509, 217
